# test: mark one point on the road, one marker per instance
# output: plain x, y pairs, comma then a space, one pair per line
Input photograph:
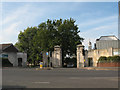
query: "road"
59, 78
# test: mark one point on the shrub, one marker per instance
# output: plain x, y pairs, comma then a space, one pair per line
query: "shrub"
116, 58
103, 59
109, 59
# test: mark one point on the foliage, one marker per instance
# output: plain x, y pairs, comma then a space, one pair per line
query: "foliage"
103, 59
27, 43
36, 40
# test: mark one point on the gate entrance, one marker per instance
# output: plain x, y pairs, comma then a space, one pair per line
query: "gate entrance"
90, 62
19, 62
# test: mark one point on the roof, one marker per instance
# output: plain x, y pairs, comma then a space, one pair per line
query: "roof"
8, 47
5, 45
112, 37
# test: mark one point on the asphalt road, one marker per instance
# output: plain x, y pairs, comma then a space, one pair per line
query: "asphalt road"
58, 78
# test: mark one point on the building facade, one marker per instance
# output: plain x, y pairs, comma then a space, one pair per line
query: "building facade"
11, 53
105, 46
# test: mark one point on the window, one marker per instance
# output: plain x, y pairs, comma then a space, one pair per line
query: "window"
5, 56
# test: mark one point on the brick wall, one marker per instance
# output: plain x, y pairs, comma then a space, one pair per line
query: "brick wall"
108, 64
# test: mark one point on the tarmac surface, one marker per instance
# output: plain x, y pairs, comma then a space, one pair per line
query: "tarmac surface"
58, 78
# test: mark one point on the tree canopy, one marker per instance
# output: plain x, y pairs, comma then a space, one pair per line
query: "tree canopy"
43, 38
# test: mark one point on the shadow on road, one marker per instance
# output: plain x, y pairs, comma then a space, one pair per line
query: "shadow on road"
7, 87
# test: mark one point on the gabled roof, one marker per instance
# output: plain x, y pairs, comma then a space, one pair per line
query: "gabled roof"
112, 37
8, 47
5, 45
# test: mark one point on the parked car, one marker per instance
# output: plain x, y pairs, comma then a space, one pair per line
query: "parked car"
70, 65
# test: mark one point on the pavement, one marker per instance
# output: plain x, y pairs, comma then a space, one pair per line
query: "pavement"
85, 68
101, 68
59, 78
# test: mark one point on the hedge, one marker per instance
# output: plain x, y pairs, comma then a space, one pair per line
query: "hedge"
104, 59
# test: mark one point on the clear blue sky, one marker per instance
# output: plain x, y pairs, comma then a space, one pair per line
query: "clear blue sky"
94, 19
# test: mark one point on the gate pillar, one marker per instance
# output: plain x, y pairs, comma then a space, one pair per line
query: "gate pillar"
80, 55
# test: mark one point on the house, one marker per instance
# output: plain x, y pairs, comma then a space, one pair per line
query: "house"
104, 46
12, 54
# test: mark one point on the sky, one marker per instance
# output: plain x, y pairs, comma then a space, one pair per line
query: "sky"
94, 19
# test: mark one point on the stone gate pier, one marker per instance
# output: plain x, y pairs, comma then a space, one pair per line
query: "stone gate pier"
57, 57
80, 56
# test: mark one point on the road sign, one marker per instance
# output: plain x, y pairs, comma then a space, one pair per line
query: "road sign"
46, 53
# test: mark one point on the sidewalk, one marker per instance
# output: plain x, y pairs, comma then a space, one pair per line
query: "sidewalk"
44, 68
101, 68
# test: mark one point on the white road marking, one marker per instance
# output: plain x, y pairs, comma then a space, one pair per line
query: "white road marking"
41, 82
97, 78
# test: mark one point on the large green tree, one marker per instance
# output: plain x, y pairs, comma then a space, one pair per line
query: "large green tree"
64, 33
68, 36
43, 38
27, 43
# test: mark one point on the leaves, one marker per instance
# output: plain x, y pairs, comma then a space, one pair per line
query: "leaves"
43, 38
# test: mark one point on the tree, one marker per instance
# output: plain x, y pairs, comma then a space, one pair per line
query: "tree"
27, 43
43, 38
68, 36
60, 32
